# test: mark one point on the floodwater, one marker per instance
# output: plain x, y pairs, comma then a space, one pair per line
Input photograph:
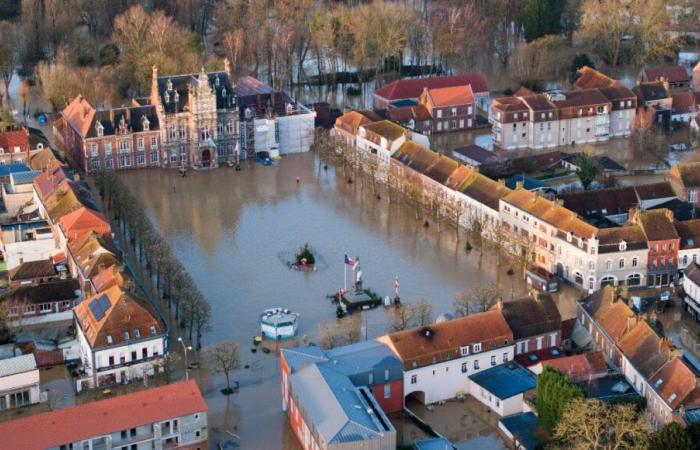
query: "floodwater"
232, 231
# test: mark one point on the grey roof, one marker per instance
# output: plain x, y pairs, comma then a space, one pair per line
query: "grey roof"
24, 177
349, 360
182, 84
299, 357
523, 427
131, 117
506, 380
340, 411
18, 364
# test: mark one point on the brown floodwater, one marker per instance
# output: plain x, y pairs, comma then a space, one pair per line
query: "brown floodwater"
232, 231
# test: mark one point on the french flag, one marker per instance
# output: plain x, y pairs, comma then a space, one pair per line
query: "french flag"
349, 261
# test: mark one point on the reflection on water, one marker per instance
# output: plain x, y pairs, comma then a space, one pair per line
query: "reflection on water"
228, 228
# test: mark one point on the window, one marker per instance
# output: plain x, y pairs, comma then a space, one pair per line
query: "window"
204, 134
493, 360
464, 350
94, 150
476, 364
134, 356
608, 265
229, 127
387, 391
173, 156
464, 367
153, 330
386, 374
219, 128
146, 124
139, 143
183, 133
505, 357
621, 264
45, 307
370, 379
132, 432
154, 142
634, 262
172, 134
144, 353
137, 333
29, 309
108, 148
141, 158
414, 379
111, 360
126, 335
95, 163
154, 156
477, 347
109, 339
109, 163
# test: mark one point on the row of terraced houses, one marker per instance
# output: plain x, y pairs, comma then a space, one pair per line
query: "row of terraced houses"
641, 243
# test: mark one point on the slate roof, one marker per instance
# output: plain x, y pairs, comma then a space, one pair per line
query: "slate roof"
617, 200
130, 118
505, 380
609, 238
103, 417
338, 410
109, 315
17, 365
618, 93
528, 317
182, 84
412, 88
52, 291
476, 153
650, 91
692, 272
422, 346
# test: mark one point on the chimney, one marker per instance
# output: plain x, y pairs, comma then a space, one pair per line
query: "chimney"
227, 66
499, 303
631, 322
502, 181
519, 184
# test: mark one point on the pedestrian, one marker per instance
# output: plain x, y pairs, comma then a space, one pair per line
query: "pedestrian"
298, 180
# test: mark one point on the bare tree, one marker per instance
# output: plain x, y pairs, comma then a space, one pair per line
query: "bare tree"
477, 300
9, 43
422, 313
224, 358
347, 330
400, 317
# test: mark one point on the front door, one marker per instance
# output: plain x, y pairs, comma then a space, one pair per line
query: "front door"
206, 158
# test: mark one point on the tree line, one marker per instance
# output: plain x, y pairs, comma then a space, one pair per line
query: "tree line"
177, 292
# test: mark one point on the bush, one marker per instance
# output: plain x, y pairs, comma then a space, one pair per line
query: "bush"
109, 55
305, 253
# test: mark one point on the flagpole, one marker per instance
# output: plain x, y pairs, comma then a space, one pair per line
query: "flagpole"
345, 277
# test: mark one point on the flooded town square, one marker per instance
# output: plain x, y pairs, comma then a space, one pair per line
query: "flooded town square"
232, 231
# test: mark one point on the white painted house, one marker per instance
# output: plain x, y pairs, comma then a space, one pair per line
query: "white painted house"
120, 337
439, 359
19, 382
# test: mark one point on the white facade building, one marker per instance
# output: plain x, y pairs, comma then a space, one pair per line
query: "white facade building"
19, 382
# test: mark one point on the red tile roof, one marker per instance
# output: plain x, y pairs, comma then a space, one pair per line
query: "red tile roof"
580, 367
451, 96
11, 139
79, 114
442, 341
672, 74
48, 182
101, 417
83, 220
674, 381
412, 88
684, 103
590, 78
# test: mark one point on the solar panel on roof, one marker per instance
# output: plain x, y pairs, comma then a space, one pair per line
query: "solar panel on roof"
104, 302
96, 308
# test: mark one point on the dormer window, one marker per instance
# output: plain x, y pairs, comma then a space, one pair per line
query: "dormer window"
176, 97
146, 124
100, 129
623, 246
166, 97
477, 347
153, 330
169, 84
223, 92
109, 339
580, 243
137, 333
126, 335
569, 236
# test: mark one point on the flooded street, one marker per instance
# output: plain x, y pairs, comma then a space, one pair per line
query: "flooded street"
234, 230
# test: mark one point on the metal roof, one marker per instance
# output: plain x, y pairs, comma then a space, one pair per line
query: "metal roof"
18, 364
7, 169
523, 426
506, 380
340, 411
433, 444
24, 177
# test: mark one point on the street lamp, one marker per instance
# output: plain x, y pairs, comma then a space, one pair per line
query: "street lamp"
185, 348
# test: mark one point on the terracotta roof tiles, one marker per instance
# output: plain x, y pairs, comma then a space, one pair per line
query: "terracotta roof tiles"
590, 78
412, 88
450, 96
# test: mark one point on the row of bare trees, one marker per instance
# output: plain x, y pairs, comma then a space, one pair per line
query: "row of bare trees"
176, 289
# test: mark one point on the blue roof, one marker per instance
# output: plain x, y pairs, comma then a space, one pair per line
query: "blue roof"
299, 357
24, 177
433, 444
506, 380
528, 183
523, 427
692, 416
24, 225
7, 169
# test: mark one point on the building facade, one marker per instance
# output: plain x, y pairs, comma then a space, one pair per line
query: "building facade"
167, 417
19, 382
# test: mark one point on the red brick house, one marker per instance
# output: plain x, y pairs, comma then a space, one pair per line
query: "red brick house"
677, 77
450, 108
14, 146
663, 243
685, 181
120, 138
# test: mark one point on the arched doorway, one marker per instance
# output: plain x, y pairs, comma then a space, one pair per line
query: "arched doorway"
206, 157
413, 398
578, 278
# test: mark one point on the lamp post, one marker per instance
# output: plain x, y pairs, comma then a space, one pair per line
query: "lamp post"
185, 348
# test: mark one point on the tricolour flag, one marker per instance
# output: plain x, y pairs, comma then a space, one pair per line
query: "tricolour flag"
349, 261
396, 285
